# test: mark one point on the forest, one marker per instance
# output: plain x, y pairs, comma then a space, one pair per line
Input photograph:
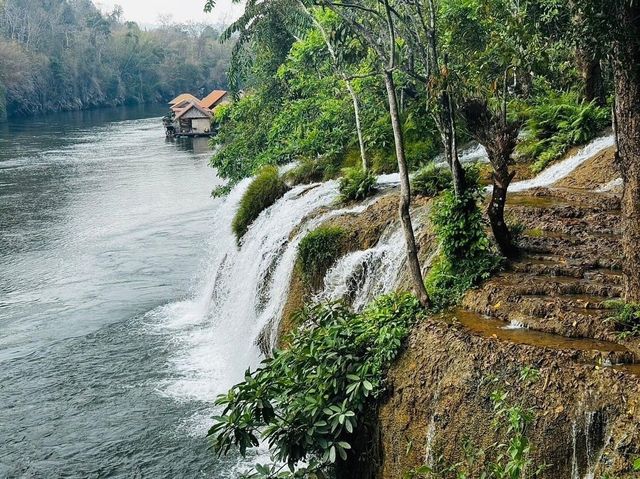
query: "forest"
67, 55
350, 90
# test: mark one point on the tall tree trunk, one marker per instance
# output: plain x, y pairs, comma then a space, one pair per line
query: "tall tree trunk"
448, 132
352, 92
591, 73
499, 228
356, 112
405, 194
627, 110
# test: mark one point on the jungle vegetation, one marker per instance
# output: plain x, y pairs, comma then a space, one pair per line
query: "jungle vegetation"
67, 55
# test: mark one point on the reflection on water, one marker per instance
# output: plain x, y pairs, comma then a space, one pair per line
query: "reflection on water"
101, 221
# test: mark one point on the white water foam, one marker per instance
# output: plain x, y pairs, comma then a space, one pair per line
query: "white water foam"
562, 169
214, 332
612, 185
363, 275
515, 324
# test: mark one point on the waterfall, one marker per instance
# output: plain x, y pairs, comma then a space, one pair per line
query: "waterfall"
214, 330
363, 275
242, 292
242, 288
563, 168
593, 433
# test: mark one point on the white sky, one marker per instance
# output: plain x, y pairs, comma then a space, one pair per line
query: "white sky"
149, 11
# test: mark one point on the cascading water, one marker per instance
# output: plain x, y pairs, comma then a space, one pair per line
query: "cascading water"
362, 275
243, 291
215, 329
593, 434
562, 169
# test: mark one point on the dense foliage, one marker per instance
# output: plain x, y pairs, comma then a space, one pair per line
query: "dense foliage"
307, 401
556, 123
265, 189
466, 254
62, 55
431, 180
357, 184
318, 250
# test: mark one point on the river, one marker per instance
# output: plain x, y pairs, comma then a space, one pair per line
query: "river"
103, 226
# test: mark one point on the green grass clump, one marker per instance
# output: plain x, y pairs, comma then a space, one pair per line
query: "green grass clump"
265, 189
626, 319
555, 124
431, 180
357, 184
318, 251
308, 401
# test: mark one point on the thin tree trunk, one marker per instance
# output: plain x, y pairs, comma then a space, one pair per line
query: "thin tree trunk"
627, 80
405, 194
352, 92
591, 73
356, 112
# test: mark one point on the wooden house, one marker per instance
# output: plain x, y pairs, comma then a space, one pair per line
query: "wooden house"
193, 120
192, 117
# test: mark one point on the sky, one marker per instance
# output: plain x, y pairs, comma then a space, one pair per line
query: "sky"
149, 12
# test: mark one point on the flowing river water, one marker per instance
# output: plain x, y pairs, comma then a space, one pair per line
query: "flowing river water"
103, 225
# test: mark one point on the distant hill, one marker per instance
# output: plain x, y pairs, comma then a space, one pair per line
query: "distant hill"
65, 55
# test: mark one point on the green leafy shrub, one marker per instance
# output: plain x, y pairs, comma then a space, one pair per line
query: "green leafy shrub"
466, 255
626, 319
357, 184
265, 189
307, 401
557, 123
430, 180
312, 170
318, 251
383, 162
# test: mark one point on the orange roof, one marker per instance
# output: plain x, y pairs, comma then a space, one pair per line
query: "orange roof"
197, 106
183, 97
212, 98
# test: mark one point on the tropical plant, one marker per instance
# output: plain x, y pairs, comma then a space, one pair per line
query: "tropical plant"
357, 184
431, 180
307, 401
556, 123
318, 251
626, 318
466, 256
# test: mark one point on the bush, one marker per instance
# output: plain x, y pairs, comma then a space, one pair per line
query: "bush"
626, 319
357, 184
265, 189
318, 251
557, 123
307, 401
383, 162
466, 256
431, 180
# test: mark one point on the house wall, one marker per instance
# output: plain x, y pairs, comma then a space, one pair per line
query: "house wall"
201, 124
